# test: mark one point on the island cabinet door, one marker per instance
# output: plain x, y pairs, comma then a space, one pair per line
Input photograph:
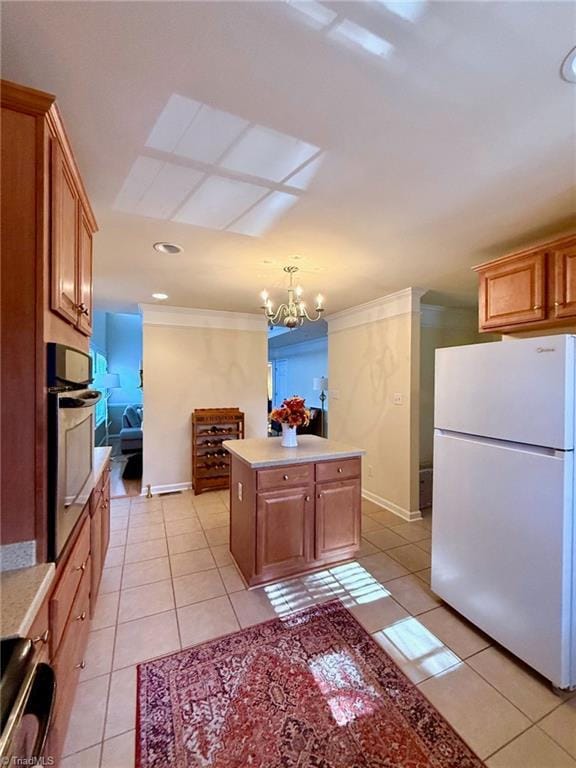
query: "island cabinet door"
337, 519
284, 531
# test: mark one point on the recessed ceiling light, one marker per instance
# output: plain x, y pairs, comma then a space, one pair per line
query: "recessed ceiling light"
160, 296
568, 70
168, 248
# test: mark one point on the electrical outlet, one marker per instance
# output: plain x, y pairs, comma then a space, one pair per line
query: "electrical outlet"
398, 398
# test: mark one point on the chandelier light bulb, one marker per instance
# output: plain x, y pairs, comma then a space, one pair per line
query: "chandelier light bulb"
264, 296
319, 301
298, 291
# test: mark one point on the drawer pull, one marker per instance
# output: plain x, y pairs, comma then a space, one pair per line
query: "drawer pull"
340, 470
285, 477
82, 616
81, 567
43, 638
82, 665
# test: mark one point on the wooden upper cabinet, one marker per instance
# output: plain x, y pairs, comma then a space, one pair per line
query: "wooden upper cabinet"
530, 290
64, 257
564, 260
84, 287
513, 291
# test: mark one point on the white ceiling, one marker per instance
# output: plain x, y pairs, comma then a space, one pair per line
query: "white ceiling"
385, 145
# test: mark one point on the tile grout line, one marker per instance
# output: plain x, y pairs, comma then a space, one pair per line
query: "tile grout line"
113, 651
172, 585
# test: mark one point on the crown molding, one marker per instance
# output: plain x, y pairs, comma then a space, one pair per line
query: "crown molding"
462, 318
406, 301
186, 317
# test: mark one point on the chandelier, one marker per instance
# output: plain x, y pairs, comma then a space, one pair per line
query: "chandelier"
294, 313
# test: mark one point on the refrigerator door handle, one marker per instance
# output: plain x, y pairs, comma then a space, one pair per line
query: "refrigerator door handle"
536, 449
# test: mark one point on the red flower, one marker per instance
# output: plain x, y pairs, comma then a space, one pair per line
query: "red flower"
293, 411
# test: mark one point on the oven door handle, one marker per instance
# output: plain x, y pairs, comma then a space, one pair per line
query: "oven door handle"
88, 399
41, 704
35, 697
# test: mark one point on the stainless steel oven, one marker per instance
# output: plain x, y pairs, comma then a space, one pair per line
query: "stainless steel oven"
70, 440
27, 690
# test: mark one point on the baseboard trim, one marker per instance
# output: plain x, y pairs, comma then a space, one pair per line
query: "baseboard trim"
156, 489
405, 514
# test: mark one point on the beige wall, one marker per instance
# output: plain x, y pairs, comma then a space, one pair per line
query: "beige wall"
191, 367
441, 327
368, 364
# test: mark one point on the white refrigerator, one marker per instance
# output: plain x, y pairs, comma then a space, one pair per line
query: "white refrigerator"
503, 520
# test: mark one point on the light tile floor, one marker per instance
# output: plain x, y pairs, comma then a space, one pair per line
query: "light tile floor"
169, 582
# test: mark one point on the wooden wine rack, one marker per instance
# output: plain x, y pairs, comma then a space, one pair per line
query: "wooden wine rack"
211, 462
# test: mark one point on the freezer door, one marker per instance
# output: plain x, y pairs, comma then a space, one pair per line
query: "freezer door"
502, 546
520, 390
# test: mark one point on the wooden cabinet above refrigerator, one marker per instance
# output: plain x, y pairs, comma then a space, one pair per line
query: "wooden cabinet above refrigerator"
529, 290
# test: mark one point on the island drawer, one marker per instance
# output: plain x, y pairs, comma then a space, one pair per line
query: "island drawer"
282, 477
329, 471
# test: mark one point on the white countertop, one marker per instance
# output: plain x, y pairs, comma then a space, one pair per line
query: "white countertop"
259, 452
101, 456
22, 593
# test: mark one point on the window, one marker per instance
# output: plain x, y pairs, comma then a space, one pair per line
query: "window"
99, 365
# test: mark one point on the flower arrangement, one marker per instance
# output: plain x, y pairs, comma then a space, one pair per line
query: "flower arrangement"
292, 412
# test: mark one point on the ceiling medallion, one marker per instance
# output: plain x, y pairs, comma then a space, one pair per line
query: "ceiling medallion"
292, 314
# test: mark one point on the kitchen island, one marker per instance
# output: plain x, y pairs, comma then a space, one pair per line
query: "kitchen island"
292, 510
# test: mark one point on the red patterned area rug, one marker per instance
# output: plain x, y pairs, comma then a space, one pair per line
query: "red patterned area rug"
312, 690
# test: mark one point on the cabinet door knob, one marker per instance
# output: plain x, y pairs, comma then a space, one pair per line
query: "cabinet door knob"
537, 306
285, 477
557, 303
306, 498
81, 567
82, 665
82, 616
319, 496
340, 470
43, 638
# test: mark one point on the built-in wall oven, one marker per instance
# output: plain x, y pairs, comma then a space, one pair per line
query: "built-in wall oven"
70, 440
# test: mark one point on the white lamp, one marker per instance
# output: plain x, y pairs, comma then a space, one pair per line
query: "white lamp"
320, 384
107, 381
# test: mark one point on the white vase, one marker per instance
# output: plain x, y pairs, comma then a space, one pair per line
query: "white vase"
289, 436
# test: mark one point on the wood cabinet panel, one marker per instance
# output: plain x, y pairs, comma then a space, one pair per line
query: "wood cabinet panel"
63, 595
84, 288
281, 477
64, 255
564, 260
284, 529
96, 555
337, 519
40, 633
68, 663
105, 510
513, 292
328, 471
